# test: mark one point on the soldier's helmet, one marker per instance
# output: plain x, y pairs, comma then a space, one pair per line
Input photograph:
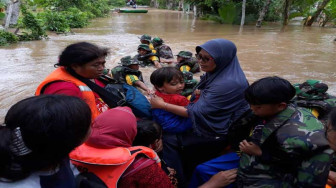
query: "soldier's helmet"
128, 60
311, 89
146, 37
145, 47
157, 41
187, 75
184, 54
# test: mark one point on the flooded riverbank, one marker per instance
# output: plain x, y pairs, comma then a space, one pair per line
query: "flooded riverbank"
295, 53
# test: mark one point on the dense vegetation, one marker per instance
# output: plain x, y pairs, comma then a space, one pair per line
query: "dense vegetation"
230, 11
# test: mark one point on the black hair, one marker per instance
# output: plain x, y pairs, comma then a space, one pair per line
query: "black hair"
270, 90
148, 132
165, 74
332, 118
51, 126
80, 53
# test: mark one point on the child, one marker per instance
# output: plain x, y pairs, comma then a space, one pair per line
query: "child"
36, 138
147, 57
150, 135
169, 84
129, 72
291, 142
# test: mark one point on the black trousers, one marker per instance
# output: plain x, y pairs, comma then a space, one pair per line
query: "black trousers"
185, 151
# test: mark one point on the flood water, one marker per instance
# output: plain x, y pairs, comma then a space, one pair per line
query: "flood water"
295, 53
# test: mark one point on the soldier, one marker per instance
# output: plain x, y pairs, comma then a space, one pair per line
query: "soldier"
190, 84
147, 39
163, 51
129, 73
185, 62
290, 148
312, 94
147, 57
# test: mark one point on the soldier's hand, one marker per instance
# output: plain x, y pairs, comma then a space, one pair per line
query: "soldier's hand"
197, 92
221, 179
250, 148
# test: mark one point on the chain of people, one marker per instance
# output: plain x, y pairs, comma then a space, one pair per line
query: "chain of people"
88, 126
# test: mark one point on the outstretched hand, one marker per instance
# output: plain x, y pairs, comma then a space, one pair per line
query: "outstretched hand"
221, 179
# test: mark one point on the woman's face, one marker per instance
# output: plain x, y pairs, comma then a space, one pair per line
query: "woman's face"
91, 70
206, 62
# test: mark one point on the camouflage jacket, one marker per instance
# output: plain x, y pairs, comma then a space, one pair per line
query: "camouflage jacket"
164, 51
295, 153
192, 63
119, 73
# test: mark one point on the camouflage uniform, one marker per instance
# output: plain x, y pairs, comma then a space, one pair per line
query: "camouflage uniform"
119, 73
313, 94
190, 84
188, 61
295, 153
146, 60
149, 39
162, 50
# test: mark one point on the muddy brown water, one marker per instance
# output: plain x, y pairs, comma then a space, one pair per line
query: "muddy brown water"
295, 53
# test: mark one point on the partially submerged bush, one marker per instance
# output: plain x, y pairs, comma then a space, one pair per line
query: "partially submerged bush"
7, 38
76, 18
55, 21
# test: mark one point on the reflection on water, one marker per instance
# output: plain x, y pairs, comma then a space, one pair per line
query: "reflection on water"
295, 53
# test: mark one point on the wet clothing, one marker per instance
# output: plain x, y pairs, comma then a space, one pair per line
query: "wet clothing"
127, 75
190, 65
131, 79
62, 177
221, 100
295, 153
152, 47
61, 82
312, 94
164, 51
148, 59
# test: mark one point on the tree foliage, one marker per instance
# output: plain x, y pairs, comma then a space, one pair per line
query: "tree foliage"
30, 23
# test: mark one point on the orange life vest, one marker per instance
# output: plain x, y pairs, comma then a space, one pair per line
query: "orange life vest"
60, 74
108, 164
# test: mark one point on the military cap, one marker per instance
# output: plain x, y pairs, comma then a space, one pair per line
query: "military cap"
185, 54
311, 89
146, 37
157, 41
128, 60
145, 47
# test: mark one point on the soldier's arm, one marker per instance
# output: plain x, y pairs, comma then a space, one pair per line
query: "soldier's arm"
142, 86
169, 61
314, 172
